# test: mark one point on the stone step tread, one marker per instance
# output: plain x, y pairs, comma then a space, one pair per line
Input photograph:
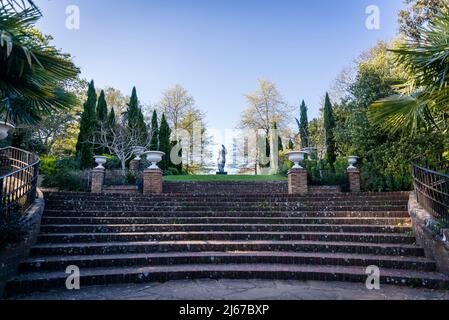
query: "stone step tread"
224, 201
313, 220
235, 212
324, 255
337, 194
368, 218
230, 233
213, 225
220, 242
253, 268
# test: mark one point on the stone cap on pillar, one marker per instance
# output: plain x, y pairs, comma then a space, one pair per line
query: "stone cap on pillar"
293, 170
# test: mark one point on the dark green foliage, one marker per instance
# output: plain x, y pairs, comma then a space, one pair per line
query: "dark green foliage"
135, 118
84, 147
64, 174
113, 163
112, 121
385, 158
26, 139
280, 144
164, 143
154, 144
33, 73
291, 145
65, 180
329, 125
102, 108
320, 172
303, 124
102, 118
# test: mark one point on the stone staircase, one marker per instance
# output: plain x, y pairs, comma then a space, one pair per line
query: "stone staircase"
132, 238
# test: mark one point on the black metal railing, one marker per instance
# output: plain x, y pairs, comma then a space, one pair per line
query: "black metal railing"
123, 177
319, 177
432, 191
18, 179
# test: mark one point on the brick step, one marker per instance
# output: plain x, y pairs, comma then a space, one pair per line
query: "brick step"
253, 214
259, 197
57, 263
108, 228
221, 208
71, 249
206, 236
51, 220
48, 280
224, 202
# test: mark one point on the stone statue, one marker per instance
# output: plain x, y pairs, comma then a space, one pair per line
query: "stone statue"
222, 160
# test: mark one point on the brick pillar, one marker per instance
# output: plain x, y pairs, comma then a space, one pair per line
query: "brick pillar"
97, 180
134, 165
297, 181
354, 180
152, 181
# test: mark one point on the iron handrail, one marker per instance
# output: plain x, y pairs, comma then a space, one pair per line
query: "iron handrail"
18, 188
432, 191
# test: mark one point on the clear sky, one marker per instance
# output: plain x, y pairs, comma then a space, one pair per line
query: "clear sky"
218, 49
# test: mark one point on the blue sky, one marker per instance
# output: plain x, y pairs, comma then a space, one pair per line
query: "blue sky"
216, 49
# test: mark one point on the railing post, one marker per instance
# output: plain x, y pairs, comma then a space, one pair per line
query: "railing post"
2, 203
32, 194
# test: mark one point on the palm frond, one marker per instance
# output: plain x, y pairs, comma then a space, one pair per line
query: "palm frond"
426, 61
32, 73
401, 113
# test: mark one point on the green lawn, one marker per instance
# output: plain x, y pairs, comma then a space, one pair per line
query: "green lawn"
207, 178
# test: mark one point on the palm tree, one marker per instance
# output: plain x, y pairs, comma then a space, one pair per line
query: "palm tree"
18, 5
423, 99
33, 74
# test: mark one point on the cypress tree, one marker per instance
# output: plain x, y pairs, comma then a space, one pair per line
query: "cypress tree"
135, 118
154, 144
329, 125
164, 142
102, 117
84, 146
280, 144
304, 126
102, 108
290, 145
112, 121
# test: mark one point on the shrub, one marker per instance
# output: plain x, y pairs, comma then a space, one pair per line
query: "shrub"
113, 163
48, 165
68, 164
171, 172
76, 181
320, 171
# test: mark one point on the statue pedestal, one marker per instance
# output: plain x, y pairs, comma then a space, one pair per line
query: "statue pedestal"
222, 173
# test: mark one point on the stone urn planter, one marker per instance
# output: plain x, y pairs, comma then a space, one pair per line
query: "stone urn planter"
138, 152
296, 157
352, 160
154, 157
100, 160
5, 127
